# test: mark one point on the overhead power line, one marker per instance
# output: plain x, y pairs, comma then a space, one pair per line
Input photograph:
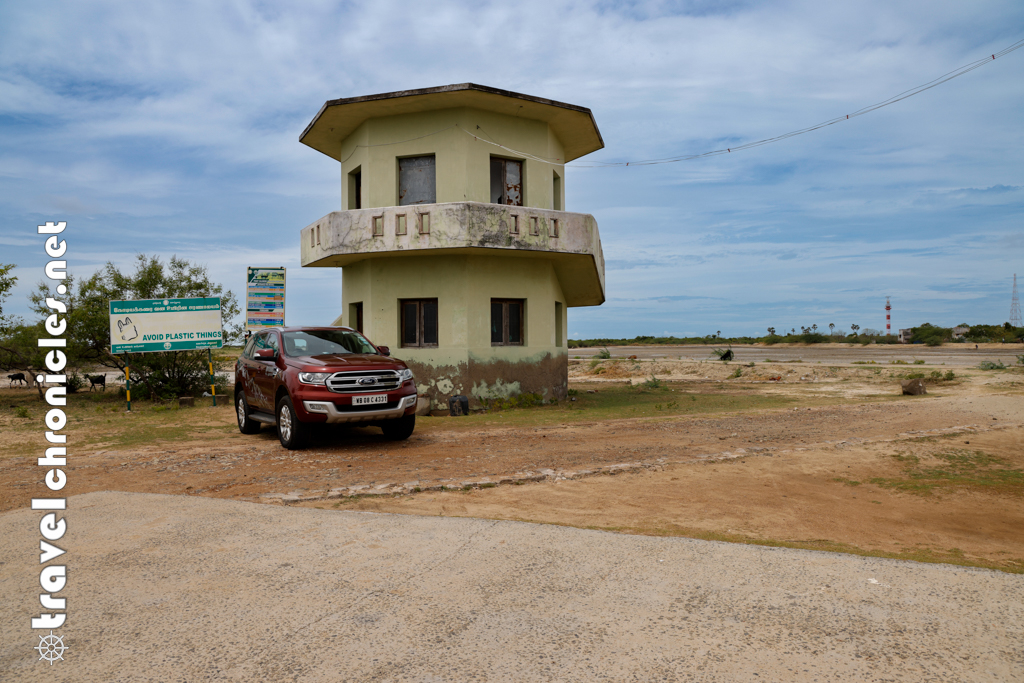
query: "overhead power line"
967, 68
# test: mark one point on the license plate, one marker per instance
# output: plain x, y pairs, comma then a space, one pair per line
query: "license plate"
372, 399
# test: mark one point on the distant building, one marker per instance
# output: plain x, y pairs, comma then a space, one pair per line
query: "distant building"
455, 247
906, 336
959, 332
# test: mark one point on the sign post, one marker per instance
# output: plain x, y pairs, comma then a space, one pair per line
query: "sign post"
213, 387
154, 325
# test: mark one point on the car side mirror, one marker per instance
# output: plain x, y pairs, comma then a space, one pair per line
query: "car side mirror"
383, 350
266, 354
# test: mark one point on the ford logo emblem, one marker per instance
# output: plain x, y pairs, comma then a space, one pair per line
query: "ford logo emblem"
367, 381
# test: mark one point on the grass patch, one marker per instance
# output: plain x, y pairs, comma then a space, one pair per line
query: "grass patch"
612, 402
101, 419
956, 469
931, 556
848, 482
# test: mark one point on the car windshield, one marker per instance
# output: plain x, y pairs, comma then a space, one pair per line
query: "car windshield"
325, 342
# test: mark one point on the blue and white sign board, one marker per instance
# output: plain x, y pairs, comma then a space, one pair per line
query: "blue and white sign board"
165, 325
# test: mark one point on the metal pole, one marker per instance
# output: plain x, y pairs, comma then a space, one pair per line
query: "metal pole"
128, 388
213, 389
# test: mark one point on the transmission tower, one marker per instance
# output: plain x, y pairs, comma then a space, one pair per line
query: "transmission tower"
1015, 306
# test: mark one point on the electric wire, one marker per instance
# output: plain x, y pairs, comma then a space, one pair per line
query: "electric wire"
386, 144
960, 71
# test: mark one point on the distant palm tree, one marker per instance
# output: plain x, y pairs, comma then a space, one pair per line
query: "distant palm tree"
831, 328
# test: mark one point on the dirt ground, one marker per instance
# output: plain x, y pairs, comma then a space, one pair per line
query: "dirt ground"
808, 454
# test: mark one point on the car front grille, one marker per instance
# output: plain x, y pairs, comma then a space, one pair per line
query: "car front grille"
357, 381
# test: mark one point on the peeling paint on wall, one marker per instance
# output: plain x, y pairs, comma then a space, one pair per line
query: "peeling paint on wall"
487, 378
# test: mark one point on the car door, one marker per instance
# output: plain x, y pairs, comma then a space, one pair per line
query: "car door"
265, 375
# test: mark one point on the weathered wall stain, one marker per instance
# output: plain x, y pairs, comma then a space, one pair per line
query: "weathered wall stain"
480, 379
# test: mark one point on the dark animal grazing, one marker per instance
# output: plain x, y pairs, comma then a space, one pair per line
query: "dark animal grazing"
94, 380
16, 377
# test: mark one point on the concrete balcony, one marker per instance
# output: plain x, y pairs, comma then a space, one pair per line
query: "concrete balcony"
569, 240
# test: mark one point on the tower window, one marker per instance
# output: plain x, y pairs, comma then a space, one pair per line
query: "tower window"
355, 189
417, 181
419, 322
507, 322
506, 182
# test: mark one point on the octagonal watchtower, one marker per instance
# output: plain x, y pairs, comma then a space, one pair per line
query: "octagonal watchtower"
455, 248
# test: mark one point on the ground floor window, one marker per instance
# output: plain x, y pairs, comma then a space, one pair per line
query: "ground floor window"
507, 322
419, 322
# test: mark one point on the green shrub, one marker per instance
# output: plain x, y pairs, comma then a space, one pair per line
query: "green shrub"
652, 383
989, 365
75, 382
21, 411
604, 353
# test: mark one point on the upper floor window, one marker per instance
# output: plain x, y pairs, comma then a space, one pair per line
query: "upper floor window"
506, 182
417, 181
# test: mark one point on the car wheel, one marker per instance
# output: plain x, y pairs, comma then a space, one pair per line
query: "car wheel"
290, 430
246, 424
400, 429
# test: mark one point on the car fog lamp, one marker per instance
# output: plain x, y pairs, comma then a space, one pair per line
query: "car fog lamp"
313, 377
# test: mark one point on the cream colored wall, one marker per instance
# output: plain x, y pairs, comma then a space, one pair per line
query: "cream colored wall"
462, 163
463, 287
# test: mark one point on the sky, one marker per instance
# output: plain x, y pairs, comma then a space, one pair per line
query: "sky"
172, 129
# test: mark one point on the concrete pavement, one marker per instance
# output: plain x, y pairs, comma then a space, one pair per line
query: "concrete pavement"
167, 588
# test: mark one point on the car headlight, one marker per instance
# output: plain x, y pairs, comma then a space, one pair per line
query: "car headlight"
314, 377
405, 375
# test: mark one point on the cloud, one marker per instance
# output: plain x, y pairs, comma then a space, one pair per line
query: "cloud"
166, 129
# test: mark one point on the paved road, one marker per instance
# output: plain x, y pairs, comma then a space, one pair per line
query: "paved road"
958, 355
167, 588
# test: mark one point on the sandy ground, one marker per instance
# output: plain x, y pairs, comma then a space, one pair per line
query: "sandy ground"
950, 355
176, 589
770, 476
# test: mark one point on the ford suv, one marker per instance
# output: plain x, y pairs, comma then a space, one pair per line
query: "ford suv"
295, 377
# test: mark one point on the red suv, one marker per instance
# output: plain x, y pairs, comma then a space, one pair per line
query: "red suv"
295, 377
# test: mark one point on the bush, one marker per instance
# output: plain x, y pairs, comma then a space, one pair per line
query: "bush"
75, 382
652, 383
604, 353
989, 365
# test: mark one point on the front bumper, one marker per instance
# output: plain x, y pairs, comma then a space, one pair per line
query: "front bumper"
334, 416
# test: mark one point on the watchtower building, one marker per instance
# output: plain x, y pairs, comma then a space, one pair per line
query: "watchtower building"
454, 244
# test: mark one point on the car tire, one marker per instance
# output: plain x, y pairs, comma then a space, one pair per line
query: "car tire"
292, 433
246, 424
400, 429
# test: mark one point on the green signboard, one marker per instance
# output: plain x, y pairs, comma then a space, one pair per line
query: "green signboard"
165, 325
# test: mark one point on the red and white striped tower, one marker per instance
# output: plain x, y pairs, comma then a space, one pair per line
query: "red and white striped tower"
888, 327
